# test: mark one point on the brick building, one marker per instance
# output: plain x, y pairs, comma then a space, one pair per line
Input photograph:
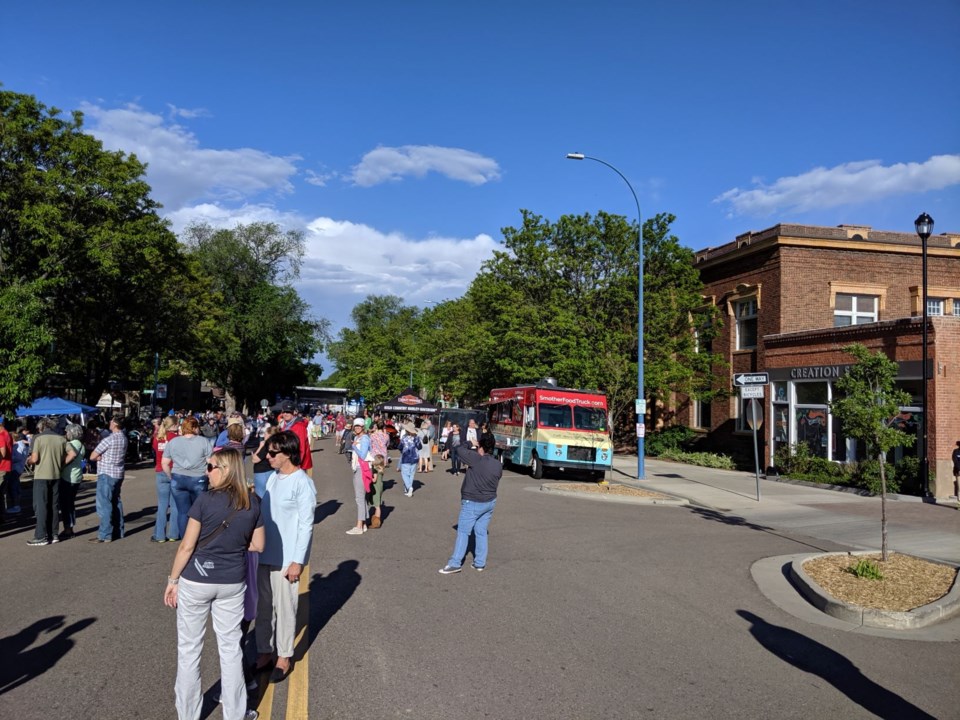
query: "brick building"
793, 295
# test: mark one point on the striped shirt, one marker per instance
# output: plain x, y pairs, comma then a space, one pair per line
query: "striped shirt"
113, 452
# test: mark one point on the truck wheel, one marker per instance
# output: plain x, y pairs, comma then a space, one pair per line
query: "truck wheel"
536, 468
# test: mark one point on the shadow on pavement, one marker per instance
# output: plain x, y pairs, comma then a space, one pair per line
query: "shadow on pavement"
21, 665
322, 512
737, 521
327, 595
817, 659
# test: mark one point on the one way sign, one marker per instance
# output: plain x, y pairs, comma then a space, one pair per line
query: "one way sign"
741, 379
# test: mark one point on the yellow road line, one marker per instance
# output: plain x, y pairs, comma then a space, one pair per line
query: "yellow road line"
298, 684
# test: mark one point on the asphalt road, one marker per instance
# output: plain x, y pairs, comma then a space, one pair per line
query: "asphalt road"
586, 610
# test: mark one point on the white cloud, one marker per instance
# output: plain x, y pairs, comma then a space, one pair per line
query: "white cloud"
319, 179
847, 184
353, 259
345, 261
385, 164
179, 170
228, 217
188, 113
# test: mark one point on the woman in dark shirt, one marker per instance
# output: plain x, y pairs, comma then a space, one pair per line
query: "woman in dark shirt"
209, 577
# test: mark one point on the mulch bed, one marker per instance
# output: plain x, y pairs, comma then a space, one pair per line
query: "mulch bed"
907, 583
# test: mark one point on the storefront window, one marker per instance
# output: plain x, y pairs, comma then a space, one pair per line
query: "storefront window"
812, 429
811, 393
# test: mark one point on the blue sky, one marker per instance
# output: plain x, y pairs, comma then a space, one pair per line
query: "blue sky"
402, 136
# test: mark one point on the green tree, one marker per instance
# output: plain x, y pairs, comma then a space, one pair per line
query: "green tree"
376, 357
867, 402
82, 250
265, 338
678, 325
561, 300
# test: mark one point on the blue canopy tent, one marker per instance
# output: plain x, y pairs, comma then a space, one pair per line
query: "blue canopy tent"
54, 406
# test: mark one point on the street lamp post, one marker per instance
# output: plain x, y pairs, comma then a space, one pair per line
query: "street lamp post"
641, 402
924, 226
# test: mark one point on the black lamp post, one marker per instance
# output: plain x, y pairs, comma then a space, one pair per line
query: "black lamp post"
924, 225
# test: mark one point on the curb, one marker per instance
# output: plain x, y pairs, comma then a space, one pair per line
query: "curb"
632, 500
941, 609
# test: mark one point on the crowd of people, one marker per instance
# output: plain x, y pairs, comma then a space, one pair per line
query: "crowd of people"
244, 537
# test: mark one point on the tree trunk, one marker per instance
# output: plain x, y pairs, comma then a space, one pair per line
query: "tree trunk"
883, 510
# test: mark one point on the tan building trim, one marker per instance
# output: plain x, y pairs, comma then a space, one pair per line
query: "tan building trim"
848, 288
948, 295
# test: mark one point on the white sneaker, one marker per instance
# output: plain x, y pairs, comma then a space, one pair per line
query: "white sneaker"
355, 531
408, 493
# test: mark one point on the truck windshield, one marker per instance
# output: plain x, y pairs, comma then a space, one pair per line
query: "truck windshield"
567, 416
589, 419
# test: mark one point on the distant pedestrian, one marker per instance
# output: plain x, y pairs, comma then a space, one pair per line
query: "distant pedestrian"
410, 445
111, 457
478, 497
164, 434
453, 449
360, 450
208, 577
70, 479
261, 461
288, 419
185, 462
339, 425
48, 455
7, 501
956, 471
425, 454
377, 468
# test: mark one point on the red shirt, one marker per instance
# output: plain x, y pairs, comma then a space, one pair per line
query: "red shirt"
159, 445
6, 442
299, 428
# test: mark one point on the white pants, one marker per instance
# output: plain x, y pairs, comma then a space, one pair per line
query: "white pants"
195, 601
276, 627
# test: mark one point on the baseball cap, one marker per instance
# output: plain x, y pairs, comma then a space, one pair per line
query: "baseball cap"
358, 421
284, 406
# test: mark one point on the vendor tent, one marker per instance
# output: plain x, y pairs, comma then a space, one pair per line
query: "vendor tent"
408, 402
53, 406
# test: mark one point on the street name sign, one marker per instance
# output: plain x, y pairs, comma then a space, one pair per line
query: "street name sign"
741, 379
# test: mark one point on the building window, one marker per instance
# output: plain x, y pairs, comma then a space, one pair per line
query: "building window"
854, 309
746, 314
935, 306
701, 414
956, 307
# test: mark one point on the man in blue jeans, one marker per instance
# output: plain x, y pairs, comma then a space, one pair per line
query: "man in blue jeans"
478, 496
110, 455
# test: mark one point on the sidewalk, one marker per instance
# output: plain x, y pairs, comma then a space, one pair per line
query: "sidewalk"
913, 527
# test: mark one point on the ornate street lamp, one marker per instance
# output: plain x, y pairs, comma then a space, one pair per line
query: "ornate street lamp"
924, 226
641, 402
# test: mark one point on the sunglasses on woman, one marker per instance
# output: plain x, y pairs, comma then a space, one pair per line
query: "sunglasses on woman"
211, 468
274, 453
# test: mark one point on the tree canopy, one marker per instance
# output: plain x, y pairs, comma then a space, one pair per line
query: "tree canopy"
81, 251
265, 338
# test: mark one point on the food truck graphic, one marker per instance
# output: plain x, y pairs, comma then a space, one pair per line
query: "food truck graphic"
545, 426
